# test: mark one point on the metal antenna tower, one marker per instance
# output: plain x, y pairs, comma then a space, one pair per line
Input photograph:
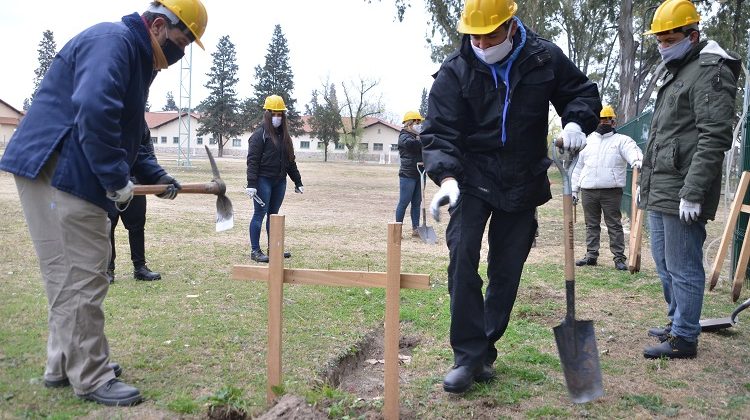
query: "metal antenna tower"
186, 75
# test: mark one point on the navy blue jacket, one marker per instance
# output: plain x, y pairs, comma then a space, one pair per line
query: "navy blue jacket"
470, 114
89, 108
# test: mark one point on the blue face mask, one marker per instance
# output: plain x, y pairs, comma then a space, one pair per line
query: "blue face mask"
675, 51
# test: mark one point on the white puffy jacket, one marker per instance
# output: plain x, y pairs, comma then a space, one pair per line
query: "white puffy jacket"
601, 164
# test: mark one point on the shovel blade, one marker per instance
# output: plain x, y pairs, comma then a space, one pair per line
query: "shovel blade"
716, 324
427, 234
579, 357
224, 213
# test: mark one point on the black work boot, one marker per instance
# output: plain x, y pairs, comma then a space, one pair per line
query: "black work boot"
143, 273
673, 348
110, 274
258, 256
60, 383
486, 374
115, 393
661, 333
460, 379
620, 265
586, 261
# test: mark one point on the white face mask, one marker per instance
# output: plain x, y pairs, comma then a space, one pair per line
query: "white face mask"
496, 53
417, 128
675, 51
276, 121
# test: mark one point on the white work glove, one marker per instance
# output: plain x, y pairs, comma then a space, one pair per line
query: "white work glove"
123, 195
689, 211
299, 190
251, 192
638, 195
448, 194
574, 194
637, 164
573, 138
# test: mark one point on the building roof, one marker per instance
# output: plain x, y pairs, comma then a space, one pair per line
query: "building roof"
20, 113
369, 121
157, 119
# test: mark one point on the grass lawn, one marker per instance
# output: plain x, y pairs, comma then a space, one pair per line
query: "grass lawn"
198, 338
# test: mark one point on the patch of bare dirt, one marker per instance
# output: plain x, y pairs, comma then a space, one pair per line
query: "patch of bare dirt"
292, 407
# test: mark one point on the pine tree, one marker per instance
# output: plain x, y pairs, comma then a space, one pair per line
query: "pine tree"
325, 119
423, 104
275, 77
47, 50
220, 116
170, 105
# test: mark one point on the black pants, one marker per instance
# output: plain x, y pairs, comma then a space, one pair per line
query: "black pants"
134, 219
478, 322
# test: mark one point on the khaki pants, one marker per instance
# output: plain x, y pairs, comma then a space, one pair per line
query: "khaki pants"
71, 239
598, 202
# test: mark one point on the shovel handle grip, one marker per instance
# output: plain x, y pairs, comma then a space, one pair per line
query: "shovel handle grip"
205, 188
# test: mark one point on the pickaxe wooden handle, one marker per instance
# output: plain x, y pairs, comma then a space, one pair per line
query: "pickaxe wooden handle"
212, 187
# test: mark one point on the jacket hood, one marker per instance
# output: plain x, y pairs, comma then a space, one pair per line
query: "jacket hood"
713, 47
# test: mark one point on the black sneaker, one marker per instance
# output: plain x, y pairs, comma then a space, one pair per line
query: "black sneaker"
661, 333
620, 265
586, 261
287, 254
115, 393
143, 273
673, 348
258, 256
60, 383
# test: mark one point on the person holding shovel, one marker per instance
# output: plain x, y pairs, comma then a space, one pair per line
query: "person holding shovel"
409, 177
270, 158
485, 144
72, 157
599, 178
680, 181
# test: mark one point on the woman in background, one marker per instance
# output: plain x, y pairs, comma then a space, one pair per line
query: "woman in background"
410, 153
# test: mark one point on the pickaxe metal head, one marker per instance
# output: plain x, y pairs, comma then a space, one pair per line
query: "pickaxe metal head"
224, 211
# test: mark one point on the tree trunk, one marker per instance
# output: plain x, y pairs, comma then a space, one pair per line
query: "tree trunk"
221, 145
628, 87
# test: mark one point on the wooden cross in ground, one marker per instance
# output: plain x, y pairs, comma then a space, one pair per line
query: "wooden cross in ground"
392, 280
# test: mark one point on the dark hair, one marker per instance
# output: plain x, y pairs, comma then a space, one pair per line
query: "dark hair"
287, 139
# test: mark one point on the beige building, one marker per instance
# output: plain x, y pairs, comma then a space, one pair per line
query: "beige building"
9, 120
379, 139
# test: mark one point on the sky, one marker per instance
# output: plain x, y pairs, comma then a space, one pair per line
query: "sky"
338, 40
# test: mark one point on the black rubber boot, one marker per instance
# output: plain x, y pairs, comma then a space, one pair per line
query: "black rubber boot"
673, 348
586, 261
143, 273
258, 256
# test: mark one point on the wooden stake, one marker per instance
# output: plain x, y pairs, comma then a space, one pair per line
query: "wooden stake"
392, 333
275, 298
734, 213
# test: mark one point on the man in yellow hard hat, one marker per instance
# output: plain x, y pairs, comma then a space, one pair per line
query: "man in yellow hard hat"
691, 128
485, 144
598, 178
72, 157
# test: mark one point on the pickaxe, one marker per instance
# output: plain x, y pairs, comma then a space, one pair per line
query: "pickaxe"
224, 212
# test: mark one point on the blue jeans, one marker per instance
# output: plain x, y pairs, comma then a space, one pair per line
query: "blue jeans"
677, 249
409, 192
271, 191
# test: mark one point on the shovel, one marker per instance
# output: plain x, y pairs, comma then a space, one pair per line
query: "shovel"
716, 324
576, 342
224, 212
426, 233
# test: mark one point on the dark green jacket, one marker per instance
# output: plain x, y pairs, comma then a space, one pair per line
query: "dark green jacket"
690, 130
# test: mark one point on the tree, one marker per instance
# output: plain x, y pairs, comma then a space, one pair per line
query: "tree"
423, 104
220, 116
325, 117
275, 77
170, 105
46, 53
358, 105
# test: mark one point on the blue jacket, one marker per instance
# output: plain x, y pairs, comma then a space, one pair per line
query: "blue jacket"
89, 109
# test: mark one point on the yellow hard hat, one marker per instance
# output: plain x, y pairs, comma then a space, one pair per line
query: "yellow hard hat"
274, 103
481, 17
412, 115
192, 13
607, 112
673, 14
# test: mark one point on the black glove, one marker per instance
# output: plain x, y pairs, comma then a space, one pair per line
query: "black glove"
173, 188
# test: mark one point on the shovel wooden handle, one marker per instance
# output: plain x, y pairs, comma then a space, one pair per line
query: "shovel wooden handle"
206, 188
